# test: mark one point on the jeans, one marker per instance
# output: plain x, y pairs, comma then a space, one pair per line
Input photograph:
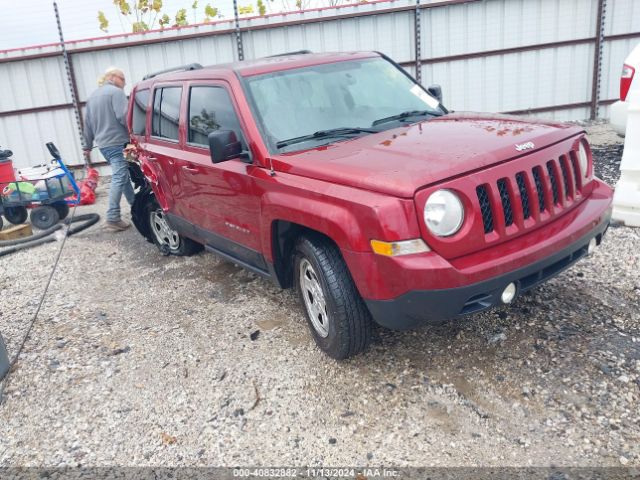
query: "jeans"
120, 181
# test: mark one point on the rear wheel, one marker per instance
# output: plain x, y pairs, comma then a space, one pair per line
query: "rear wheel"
44, 217
168, 240
339, 320
62, 208
16, 215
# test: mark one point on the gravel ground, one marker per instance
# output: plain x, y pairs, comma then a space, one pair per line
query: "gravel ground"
140, 359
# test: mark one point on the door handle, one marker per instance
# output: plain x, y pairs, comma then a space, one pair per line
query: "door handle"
190, 169
153, 159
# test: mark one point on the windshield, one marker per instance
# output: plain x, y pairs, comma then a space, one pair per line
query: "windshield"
358, 94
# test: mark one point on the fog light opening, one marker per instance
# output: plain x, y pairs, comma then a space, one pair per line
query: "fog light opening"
509, 293
593, 243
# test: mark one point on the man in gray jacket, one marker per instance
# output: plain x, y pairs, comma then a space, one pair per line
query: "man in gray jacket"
105, 124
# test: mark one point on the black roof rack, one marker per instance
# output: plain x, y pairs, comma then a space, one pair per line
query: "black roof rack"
297, 52
183, 68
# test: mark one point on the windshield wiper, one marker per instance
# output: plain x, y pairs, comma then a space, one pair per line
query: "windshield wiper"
403, 115
334, 132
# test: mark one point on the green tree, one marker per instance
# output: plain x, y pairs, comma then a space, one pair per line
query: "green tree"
210, 12
245, 10
144, 15
181, 18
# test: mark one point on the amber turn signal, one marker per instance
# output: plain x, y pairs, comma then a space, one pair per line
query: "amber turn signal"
404, 247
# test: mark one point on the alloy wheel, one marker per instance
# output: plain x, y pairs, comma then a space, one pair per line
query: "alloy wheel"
162, 231
314, 300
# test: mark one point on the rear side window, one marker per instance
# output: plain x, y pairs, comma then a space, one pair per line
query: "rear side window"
210, 109
140, 107
166, 112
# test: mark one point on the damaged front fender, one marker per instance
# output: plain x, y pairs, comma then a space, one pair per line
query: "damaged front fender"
139, 212
144, 195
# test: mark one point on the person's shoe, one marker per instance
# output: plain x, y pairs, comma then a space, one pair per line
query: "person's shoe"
118, 226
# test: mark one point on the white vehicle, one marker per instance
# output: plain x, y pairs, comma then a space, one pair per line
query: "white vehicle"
628, 89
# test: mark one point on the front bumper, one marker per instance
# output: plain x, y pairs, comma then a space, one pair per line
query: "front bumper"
418, 307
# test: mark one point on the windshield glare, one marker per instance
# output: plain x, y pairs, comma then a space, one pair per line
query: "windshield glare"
299, 102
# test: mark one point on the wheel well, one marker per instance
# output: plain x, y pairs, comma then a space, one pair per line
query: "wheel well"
137, 177
284, 236
138, 212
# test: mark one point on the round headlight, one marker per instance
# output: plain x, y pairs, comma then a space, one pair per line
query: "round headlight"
443, 213
583, 159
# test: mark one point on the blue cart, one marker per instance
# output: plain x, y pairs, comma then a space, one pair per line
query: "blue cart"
45, 189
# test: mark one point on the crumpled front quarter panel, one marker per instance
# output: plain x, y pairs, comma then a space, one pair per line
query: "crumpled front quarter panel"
153, 174
350, 217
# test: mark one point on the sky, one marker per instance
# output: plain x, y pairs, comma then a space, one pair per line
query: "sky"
32, 22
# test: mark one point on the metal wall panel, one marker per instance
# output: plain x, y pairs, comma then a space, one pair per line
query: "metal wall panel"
138, 61
561, 115
155, 36
515, 81
498, 24
18, 53
27, 134
33, 83
623, 16
391, 34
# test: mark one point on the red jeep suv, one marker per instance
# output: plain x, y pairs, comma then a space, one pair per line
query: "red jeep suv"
341, 176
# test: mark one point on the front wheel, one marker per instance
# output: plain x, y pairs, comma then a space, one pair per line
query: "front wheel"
168, 240
339, 320
62, 208
44, 216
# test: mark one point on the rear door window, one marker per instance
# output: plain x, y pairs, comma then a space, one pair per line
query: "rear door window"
166, 113
210, 109
140, 108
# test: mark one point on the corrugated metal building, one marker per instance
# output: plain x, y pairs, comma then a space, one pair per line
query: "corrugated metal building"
525, 56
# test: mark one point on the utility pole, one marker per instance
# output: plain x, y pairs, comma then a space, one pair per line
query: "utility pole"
417, 39
70, 79
238, 33
597, 59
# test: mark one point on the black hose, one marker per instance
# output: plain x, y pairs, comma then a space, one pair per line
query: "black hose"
45, 236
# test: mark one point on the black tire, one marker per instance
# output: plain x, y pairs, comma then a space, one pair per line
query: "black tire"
16, 215
1, 223
62, 208
348, 326
139, 212
44, 217
168, 241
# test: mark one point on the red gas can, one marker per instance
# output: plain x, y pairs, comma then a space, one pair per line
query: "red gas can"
6, 171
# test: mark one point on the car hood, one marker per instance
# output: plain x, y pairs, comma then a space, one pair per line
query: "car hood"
401, 160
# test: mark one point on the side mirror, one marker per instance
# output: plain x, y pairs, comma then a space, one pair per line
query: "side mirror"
224, 145
436, 92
